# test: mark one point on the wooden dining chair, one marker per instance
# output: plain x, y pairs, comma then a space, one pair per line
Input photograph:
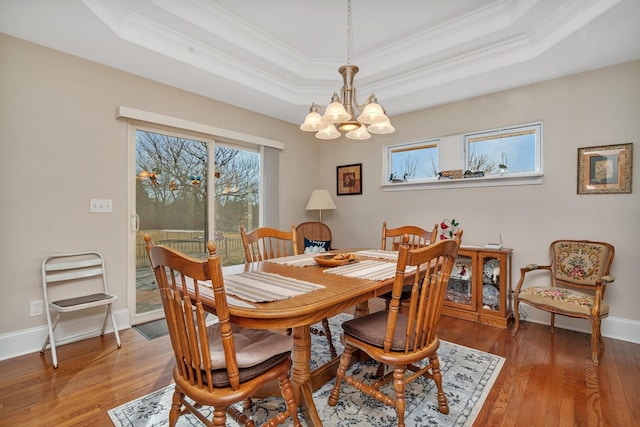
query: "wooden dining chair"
577, 276
409, 342
392, 238
313, 234
220, 364
266, 243
310, 234
418, 237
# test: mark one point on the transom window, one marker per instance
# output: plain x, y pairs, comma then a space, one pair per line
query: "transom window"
508, 151
505, 156
412, 162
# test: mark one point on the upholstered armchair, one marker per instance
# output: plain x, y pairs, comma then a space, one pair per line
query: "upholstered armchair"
579, 274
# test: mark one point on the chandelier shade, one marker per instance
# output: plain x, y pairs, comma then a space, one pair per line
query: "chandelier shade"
339, 116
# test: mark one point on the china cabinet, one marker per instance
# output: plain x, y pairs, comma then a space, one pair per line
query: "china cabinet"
479, 288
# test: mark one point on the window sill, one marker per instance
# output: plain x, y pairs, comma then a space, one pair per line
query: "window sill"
485, 181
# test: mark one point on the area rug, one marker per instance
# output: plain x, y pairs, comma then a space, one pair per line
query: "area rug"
467, 376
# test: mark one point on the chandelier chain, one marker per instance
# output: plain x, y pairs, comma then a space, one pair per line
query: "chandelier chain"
348, 32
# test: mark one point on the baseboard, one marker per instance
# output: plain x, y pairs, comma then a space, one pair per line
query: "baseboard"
30, 340
27, 341
615, 328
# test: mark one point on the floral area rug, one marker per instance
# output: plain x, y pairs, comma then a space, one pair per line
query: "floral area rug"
467, 375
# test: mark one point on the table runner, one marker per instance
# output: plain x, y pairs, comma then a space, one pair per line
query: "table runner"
368, 269
379, 253
303, 260
264, 287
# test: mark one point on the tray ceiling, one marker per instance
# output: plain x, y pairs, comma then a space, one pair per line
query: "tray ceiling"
277, 57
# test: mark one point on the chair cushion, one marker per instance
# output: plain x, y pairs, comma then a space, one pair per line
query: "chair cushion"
566, 300
371, 328
221, 376
253, 346
315, 246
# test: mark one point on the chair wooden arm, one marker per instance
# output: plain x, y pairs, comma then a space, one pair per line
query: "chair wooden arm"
608, 279
526, 269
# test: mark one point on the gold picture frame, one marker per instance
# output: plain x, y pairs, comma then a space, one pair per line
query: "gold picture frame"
349, 179
605, 169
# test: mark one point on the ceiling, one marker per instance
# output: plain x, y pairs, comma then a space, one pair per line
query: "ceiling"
276, 57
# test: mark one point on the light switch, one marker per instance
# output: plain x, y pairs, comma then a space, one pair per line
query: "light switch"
101, 205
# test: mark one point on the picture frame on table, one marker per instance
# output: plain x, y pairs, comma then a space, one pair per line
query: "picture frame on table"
605, 169
349, 179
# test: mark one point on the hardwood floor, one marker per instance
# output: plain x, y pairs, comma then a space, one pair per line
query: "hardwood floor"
547, 380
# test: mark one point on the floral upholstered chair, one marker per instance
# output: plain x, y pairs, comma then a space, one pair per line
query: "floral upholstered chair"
579, 273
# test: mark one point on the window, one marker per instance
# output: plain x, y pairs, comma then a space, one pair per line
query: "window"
505, 152
495, 157
412, 162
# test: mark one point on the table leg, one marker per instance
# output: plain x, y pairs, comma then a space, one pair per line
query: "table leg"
301, 374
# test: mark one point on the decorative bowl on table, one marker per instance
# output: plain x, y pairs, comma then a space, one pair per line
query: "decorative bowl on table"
334, 260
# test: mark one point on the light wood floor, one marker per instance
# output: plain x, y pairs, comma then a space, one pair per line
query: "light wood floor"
547, 380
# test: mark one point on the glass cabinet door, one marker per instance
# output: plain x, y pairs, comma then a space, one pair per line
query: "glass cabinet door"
491, 272
460, 287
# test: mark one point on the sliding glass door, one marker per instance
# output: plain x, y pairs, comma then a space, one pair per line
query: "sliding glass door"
189, 190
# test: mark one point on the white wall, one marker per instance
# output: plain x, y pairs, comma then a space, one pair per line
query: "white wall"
61, 145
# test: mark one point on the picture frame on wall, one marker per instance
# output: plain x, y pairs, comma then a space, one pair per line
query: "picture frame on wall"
349, 179
605, 169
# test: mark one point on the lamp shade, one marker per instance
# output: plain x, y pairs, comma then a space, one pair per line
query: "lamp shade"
373, 113
381, 128
329, 132
359, 134
320, 199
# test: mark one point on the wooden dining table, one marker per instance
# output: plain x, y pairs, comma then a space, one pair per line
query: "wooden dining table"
338, 294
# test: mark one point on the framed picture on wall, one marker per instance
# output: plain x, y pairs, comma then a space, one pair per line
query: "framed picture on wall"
349, 179
605, 169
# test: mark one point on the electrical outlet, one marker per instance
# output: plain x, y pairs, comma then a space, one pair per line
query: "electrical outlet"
35, 308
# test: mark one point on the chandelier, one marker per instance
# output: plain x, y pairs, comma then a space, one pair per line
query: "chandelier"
339, 116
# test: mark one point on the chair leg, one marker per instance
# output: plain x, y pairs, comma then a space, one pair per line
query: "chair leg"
50, 338
443, 406
342, 370
327, 333
115, 328
398, 388
176, 406
596, 341
516, 314
287, 394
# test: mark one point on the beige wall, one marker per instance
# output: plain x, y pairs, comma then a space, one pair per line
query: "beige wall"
594, 108
60, 145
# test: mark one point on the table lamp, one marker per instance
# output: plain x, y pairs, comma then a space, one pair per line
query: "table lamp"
319, 200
